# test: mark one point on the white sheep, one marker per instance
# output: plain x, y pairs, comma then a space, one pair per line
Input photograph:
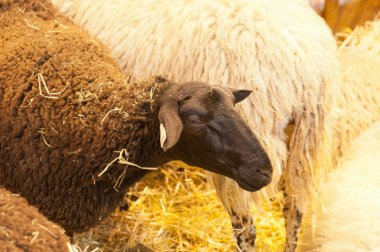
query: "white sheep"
346, 216
283, 51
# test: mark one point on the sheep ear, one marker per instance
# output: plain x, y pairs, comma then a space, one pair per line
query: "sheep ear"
240, 94
170, 124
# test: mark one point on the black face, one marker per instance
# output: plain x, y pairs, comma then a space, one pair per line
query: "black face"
214, 137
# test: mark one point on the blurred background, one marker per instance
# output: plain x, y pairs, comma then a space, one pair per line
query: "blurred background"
341, 15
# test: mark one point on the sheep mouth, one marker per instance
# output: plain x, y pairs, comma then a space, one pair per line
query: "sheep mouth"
253, 183
249, 187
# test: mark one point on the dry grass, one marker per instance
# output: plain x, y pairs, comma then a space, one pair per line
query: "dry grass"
176, 210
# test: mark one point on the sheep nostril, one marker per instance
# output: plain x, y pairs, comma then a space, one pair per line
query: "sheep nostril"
266, 173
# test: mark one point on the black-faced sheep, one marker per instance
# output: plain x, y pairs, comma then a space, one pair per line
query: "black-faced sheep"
74, 135
283, 51
23, 228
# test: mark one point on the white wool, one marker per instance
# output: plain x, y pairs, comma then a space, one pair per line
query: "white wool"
344, 215
358, 104
348, 217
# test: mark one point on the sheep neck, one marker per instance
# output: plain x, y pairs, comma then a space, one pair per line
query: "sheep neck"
152, 154
139, 137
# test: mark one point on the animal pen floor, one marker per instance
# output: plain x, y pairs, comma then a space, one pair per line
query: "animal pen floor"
176, 210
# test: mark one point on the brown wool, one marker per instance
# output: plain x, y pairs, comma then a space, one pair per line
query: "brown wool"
66, 107
23, 228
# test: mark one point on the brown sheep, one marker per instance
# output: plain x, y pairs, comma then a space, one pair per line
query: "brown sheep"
23, 228
75, 135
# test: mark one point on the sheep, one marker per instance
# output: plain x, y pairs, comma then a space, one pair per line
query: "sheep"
346, 212
75, 135
284, 52
23, 228
355, 106
346, 195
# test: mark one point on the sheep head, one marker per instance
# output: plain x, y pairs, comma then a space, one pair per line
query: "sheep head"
200, 126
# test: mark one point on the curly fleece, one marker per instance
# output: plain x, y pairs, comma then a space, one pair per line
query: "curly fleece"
23, 228
63, 103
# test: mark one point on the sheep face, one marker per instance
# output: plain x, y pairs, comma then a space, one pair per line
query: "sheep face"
200, 127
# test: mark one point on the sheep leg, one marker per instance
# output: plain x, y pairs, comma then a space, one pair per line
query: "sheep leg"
245, 232
237, 202
124, 207
293, 213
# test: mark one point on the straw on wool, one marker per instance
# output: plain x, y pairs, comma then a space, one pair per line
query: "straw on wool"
23, 226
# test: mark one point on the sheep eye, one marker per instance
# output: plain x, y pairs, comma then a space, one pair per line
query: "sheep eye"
195, 122
186, 98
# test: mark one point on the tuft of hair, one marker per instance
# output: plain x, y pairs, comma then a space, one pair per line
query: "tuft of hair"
346, 212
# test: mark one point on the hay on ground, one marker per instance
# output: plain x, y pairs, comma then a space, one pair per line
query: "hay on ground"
176, 210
